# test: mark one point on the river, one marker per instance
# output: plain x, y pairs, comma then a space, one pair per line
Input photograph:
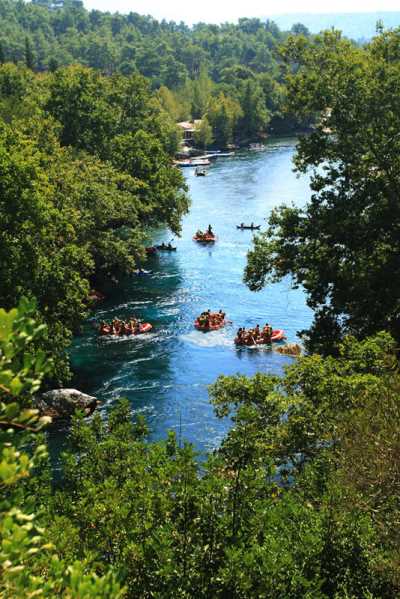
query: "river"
165, 374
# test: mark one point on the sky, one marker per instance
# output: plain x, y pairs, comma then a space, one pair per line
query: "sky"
216, 11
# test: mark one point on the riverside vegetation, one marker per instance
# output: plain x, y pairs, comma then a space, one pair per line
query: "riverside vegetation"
302, 498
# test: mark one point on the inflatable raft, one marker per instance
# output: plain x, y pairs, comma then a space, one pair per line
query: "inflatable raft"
277, 335
212, 327
145, 327
206, 238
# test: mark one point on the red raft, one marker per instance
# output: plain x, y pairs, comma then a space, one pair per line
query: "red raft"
145, 327
210, 327
205, 238
277, 335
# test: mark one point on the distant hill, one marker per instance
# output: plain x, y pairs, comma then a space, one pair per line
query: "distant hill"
357, 26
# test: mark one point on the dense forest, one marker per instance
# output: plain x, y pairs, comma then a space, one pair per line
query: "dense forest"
230, 74
301, 500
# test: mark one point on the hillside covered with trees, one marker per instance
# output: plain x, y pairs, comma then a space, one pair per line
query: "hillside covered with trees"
230, 74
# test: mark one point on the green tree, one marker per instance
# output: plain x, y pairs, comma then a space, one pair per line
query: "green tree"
270, 514
203, 135
343, 245
202, 88
255, 116
30, 565
224, 114
29, 56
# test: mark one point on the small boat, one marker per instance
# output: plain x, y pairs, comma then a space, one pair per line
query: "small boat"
165, 248
200, 172
249, 227
211, 327
205, 238
140, 272
193, 162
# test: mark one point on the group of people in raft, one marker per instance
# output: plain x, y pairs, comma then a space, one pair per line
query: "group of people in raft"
207, 321
209, 235
256, 336
210, 320
133, 326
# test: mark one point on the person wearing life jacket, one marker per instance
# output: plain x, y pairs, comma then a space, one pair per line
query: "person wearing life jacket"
202, 319
126, 328
210, 231
105, 328
240, 336
267, 333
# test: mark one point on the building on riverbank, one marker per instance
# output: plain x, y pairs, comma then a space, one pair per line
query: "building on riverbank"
188, 129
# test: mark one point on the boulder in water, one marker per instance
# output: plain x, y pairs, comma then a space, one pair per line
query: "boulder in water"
63, 403
290, 349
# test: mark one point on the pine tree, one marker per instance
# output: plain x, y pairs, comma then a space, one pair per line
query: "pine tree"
29, 57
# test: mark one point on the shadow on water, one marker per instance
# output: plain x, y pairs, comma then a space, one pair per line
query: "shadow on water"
165, 374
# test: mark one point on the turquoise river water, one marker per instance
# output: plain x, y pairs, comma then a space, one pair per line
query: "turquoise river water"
165, 374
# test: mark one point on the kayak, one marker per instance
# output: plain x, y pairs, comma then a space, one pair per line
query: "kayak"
145, 327
141, 273
213, 327
250, 227
277, 335
165, 248
205, 238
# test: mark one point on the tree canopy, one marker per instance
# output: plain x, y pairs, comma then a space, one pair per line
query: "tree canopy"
86, 171
195, 64
301, 500
343, 246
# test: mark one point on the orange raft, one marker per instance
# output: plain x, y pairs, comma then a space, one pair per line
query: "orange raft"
209, 327
277, 335
205, 238
145, 327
